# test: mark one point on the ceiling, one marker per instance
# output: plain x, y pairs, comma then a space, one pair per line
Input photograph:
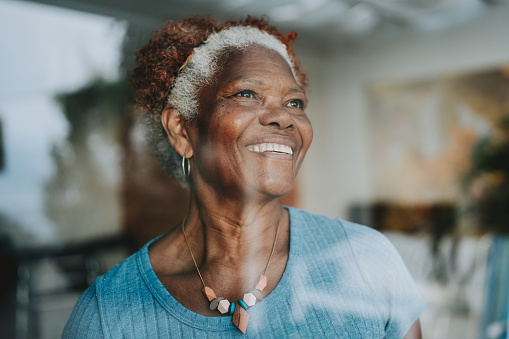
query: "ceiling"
320, 21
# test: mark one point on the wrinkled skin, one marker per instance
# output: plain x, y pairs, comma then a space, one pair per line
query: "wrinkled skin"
234, 211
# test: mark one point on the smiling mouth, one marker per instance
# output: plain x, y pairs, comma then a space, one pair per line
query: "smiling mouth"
270, 147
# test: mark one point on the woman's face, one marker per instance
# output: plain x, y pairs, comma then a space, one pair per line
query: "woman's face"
251, 133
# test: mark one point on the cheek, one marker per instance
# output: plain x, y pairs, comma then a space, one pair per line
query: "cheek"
219, 144
229, 124
224, 131
306, 131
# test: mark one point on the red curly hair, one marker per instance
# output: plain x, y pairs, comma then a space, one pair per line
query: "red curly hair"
160, 60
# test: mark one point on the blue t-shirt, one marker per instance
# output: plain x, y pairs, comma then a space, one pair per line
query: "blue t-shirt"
341, 280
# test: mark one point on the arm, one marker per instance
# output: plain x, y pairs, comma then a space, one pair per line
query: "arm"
415, 331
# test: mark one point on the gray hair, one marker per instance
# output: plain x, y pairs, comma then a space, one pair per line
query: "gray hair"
198, 71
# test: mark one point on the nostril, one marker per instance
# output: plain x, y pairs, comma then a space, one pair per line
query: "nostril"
278, 118
281, 125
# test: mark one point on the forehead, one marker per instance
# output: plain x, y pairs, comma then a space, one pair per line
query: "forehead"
253, 60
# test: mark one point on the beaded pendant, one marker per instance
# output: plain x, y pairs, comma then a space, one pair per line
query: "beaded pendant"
240, 317
238, 309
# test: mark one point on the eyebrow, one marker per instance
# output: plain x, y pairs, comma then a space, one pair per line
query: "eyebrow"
250, 80
261, 83
296, 90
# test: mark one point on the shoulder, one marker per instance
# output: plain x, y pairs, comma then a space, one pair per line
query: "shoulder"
359, 247
125, 285
339, 230
131, 272
299, 217
370, 244
122, 273
369, 260
371, 251
110, 296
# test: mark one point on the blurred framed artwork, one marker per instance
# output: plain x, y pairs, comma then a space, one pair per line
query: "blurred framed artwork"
442, 141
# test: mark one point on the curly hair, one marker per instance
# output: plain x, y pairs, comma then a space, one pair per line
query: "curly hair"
160, 63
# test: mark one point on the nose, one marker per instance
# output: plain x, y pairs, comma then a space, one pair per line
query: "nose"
279, 118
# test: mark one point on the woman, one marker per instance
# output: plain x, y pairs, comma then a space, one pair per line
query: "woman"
226, 105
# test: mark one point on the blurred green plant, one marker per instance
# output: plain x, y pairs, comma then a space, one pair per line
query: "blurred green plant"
487, 183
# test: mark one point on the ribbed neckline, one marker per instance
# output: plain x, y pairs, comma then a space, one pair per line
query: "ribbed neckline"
199, 321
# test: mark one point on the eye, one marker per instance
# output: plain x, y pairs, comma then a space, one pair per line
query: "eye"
295, 103
245, 94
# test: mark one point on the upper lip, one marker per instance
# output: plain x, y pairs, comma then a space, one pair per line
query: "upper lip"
274, 139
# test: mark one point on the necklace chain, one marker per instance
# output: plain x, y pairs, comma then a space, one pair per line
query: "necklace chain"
189, 247
194, 260
239, 315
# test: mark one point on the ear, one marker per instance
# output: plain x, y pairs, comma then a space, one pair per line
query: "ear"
174, 125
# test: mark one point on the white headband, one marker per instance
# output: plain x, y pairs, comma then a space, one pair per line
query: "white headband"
203, 64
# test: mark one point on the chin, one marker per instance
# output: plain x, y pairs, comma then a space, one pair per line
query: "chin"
271, 182
277, 188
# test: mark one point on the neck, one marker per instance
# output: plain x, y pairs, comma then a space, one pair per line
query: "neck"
228, 234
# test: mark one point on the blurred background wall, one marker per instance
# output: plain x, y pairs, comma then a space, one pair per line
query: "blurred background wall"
409, 103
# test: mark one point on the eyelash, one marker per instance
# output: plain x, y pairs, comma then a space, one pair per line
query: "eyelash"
246, 91
253, 94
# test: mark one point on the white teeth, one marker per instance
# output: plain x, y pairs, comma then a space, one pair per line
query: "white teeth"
271, 147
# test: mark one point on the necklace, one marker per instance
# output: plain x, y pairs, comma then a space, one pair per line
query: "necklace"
237, 309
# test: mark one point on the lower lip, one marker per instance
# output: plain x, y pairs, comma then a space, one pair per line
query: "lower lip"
274, 155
